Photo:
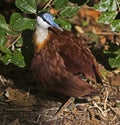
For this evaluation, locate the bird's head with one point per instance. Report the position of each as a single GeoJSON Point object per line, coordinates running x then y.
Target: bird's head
{"type": "Point", "coordinates": [46, 20]}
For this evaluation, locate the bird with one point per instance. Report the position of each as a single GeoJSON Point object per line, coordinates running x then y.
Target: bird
{"type": "Point", "coordinates": [60, 58]}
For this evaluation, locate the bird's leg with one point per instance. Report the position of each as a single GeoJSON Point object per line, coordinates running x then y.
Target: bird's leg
{"type": "Point", "coordinates": [64, 106]}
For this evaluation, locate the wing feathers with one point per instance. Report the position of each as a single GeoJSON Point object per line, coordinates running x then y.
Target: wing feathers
{"type": "Point", "coordinates": [57, 65]}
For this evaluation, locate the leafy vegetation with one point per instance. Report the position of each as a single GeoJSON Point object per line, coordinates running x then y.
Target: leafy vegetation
{"type": "Point", "coordinates": [114, 55]}
{"type": "Point", "coordinates": [12, 33]}
{"type": "Point", "coordinates": [109, 11]}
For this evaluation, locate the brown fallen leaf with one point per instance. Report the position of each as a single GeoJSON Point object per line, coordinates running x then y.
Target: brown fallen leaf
{"type": "Point", "coordinates": [87, 11]}
{"type": "Point", "coordinates": [115, 81]}
{"type": "Point", "coordinates": [19, 97]}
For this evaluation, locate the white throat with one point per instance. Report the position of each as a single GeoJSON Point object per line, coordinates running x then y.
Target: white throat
{"type": "Point", "coordinates": [41, 34]}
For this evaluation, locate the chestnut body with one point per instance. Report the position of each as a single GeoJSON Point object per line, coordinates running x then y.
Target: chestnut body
{"type": "Point", "coordinates": [59, 61]}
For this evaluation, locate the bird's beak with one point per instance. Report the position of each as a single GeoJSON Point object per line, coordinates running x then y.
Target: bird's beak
{"type": "Point", "coordinates": [56, 26]}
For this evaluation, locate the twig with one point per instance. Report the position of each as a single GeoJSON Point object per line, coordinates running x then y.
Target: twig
{"type": "Point", "coordinates": [105, 103]}
{"type": "Point", "coordinates": [51, 118]}
{"type": "Point", "coordinates": [2, 80]}
{"type": "Point", "coordinates": [117, 113]}
{"type": "Point", "coordinates": [48, 4]}
{"type": "Point", "coordinates": [71, 99]}
{"type": "Point", "coordinates": [15, 40]}
{"type": "Point", "coordinates": [102, 112]}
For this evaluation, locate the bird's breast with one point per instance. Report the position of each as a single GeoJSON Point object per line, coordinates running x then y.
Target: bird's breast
{"type": "Point", "coordinates": [59, 58]}
{"type": "Point", "coordinates": [38, 44]}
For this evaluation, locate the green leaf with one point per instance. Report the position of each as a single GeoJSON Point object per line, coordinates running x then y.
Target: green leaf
{"type": "Point", "coordinates": [65, 24]}
{"type": "Point", "coordinates": [19, 42]}
{"type": "Point", "coordinates": [115, 25]}
{"type": "Point", "coordinates": [69, 11]}
{"type": "Point", "coordinates": [5, 50]}
{"type": "Point", "coordinates": [2, 37]}
{"type": "Point", "coordinates": [18, 59]}
{"type": "Point", "coordinates": [60, 3]}
{"type": "Point", "coordinates": [3, 23]}
{"type": "Point", "coordinates": [115, 62]}
{"type": "Point", "coordinates": [107, 17]}
{"type": "Point", "coordinates": [4, 26]}
{"type": "Point", "coordinates": [6, 59]}
{"type": "Point", "coordinates": [113, 5]}
{"type": "Point", "coordinates": [103, 5]}
{"type": "Point", "coordinates": [118, 1]}
{"type": "Point", "coordinates": [113, 47]}
{"type": "Point", "coordinates": [23, 24]}
{"type": "Point", "coordinates": [14, 17]}
{"type": "Point", "coordinates": [28, 6]}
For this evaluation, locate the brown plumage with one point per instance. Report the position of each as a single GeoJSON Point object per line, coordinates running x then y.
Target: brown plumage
{"type": "Point", "coordinates": [60, 58]}
{"type": "Point", "coordinates": [57, 65]}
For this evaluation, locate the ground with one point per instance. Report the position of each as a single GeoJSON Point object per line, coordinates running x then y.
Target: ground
{"type": "Point", "coordinates": [23, 102]}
